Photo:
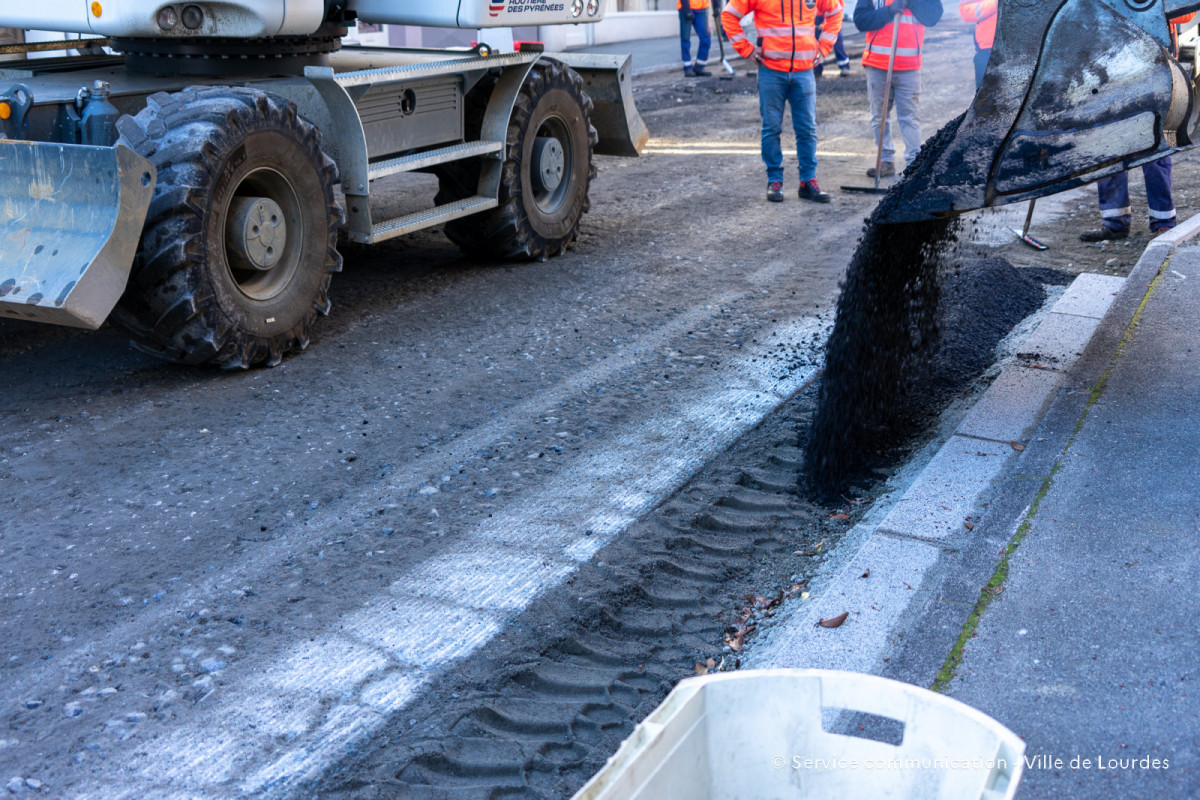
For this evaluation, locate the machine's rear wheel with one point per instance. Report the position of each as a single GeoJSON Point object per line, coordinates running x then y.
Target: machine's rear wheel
{"type": "Point", "coordinates": [546, 174]}
{"type": "Point", "coordinates": [241, 237]}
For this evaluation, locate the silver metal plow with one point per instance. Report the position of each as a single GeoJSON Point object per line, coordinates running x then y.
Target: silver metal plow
{"type": "Point", "coordinates": [1075, 90]}
{"type": "Point", "coordinates": [70, 220]}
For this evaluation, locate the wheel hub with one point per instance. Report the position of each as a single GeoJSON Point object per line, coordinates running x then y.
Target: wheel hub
{"type": "Point", "coordinates": [549, 162]}
{"type": "Point", "coordinates": [255, 233]}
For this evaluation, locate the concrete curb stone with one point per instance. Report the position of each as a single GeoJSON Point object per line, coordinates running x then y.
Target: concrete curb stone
{"type": "Point", "coordinates": [907, 634]}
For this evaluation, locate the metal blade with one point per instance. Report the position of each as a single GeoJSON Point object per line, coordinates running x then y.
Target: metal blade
{"type": "Point", "coordinates": [71, 217]}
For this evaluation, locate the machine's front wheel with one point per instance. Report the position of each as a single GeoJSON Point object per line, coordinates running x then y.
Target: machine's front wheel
{"type": "Point", "coordinates": [241, 238]}
{"type": "Point", "coordinates": [546, 175]}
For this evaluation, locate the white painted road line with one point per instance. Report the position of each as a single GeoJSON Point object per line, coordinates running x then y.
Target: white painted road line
{"type": "Point", "coordinates": [303, 713]}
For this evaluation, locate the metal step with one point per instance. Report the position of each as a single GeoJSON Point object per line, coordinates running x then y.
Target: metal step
{"type": "Point", "coordinates": [424, 219]}
{"type": "Point", "coordinates": [428, 158]}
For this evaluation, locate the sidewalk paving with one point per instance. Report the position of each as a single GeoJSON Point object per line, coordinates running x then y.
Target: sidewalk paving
{"type": "Point", "coordinates": [1091, 650]}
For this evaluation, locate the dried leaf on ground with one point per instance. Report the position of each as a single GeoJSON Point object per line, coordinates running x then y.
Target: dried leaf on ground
{"type": "Point", "coordinates": [735, 635]}
{"type": "Point", "coordinates": [866, 574]}
{"type": "Point", "coordinates": [969, 526]}
{"type": "Point", "coordinates": [1016, 446]}
{"type": "Point", "coordinates": [711, 663]}
{"type": "Point", "coordinates": [701, 669]}
{"type": "Point", "coordinates": [834, 622]}
{"type": "Point", "coordinates": [839, 516]}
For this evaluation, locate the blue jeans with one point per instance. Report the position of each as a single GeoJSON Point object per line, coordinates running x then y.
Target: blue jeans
{"type": "Point", "coordinates": [699, 21]}
{"type": "Point", "coordinates": [1115, 210]}
{"type": "Point", "coordinates": [799, 89]}
{"type": "Point", "coordinates": [981, 62]}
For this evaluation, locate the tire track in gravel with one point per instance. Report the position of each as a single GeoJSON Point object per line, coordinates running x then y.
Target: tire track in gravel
{"type": "Point", "coordinates": [536, 717]}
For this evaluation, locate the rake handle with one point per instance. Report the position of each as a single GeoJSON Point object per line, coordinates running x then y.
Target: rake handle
{"type": "Point", "coordinates": [887, 98]}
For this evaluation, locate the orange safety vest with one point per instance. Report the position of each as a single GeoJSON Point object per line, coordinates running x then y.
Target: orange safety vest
{"type": "Point", "coordinates": [695, 5]}
{"type": "Point", "coordinates": [983, 14]}
{"type": "Point", "coordinates": [787, 30]}
{"type": "Point", "coordinates": [908, 49]}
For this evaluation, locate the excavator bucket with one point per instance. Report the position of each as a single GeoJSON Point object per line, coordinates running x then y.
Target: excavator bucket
{"type": "Point", "coordinates": [70, 220]}
{"type": "Point", "coordinates": [1075, 90]}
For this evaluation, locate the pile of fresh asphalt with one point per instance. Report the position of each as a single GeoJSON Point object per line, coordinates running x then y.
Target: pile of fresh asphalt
{"type": "Point", "coordinates": [899, 350]}
{"type": "Point", "coordinates": [550, 700]}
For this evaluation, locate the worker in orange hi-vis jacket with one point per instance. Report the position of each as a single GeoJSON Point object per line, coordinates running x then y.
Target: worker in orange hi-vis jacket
{"type": "Point", "coordinates": [694, 14]}
{"type": "Point", "coordinates": [786, 50]}
{"type": "Point", "coordinates": [983, 14]}
{"type": "Point", "coordinates": [902, 23]}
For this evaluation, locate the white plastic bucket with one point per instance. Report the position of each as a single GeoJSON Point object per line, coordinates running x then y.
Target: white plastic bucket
{"type": "Point", "coordinates": [757, 735]}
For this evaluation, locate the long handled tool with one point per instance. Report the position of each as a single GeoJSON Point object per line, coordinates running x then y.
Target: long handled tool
{"type": "Point", "coordinates": [720, 34]}
{"type": "Point", "coordinates": [1023, 233]}
{"type": "Point", "coordinates": [887, 102]}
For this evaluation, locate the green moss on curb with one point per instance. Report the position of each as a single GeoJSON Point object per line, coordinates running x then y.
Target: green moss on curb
{"type": "Point", "coordinates": [988, 594]}
{"type": "Point", "coordinates": [995, 584]}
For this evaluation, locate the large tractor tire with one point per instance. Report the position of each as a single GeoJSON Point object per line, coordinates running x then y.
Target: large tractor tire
{"type": "Point", "coordinates": [546, 175]}
{"type": "Point", "coordinates": [241, 236]}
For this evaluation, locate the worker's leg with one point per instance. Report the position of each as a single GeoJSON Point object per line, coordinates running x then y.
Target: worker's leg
{"type": "Point", "coordinates": [700, 21]}
{"type": "Point", "coordinates": [772, 94]}
{"type": "Point", "coordinates": [1115, 211]}
{"type": "Point", "coordinates": [802, 97]}
{"type": "Point", "coordinates": [839, 52]}
{"type": "Point", "coordinates": [1158, 194]}
{"type": "Point", "coordinates": [981, 60]}
{"type": "Point", "coordinates": [875, 80]}
{"type": "Point", "coordinates": [906, 88]}
{"type": "Point", "coordinates": [685, 38]}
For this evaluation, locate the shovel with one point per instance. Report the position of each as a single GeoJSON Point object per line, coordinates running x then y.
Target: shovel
{"type": "Point", "coordinates": [1023, 233]}
{"type": "Point", "coordinates": [887, 103]}
{"type": "Point", "coordinates": [720, 33]}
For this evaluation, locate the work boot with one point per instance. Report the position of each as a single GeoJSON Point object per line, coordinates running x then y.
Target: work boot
{"type": "Point", "coordinates": [687, 71]}
{"type": "Point", "coordinates": [1162, 227]}
{"type": "Point", "coordinates": [699, 71]}
{"type": "Point", "coordinates": [886, 170]}
{"type": "Point", "coordinates": [843, 70]}
{"type": "Point", "coordinates": [775, 192]}
{"type": "Point", "coordinates": [809, 190]}
{"type": "Point", "coordinates": [1103, 234]}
